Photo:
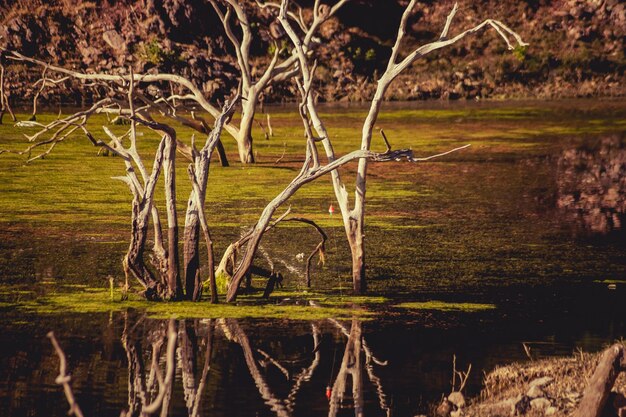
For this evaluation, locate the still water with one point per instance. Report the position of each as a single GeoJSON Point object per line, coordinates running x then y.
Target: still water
{"type": "Point", "coordinates": [535, 228]}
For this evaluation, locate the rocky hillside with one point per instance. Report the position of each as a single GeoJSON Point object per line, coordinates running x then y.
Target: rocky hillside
{"type": "Point", "coordinates": [577, 47]}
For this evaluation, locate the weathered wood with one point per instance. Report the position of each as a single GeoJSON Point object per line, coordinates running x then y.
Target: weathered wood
{"type": "Point", "coordinates": [601, 383]}
{"type": "Point", "coordinates": [169, 168]}
{"type": "Point", "coordinates": [198, 172]}
{"type": "Point", "coordinates": [142, 208]}
{"type": "Point", "coordinates": [64, 378]}
{"type": "Point", "coordinates": [4, 99]}
{"type": "Point", "coordinates": [354, 218]}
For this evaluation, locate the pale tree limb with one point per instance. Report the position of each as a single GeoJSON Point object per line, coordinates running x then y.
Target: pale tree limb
{"type": "Point", "coordinates": [319, 249]}
{"type": "Point", "coordinates": [195, 93]}
{"type": "Point", "coordinates": [353, 218]}
{"type": "Point", "coordinates": [43, 82]}
{"type": "Point", "coordinates": [198, 172]}
{"type": "Point", "coordinates": [275, 71]}
{"type": "Point", "coordinates": [612, 362]}
{"type": "Point", "coordinates": [306, 374]}
{"type": "Point", "coordinates": [64, 379]}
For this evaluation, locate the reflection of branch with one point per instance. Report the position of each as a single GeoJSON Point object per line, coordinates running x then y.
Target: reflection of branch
{"type": "Point", "coordinates": [233, 331]}
{"type": "Point", "coordinates": [165, 387]}
{"type": "Point", "coordinates": [64, 379]}
{"type": "Point", "coordinates": [319, 249]}
{"type": "Point", "coordinates": [275, 363]}
{"type": "Point", "coordinates": [351, 365]}
{"type": "Point", "coordinates": [307, 373]}
{"type": "Point", "coordinates": [138, 392]}
{"type": "Point", "coordinates": [187, 360]}
{"type": "Point", "coordinates": [205, 370]}
{"type": "Point", "coordinates": [369, 359]}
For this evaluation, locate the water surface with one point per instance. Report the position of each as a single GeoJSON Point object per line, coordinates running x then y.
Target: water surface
{"type": "Point", "coordinates": [529, 220]}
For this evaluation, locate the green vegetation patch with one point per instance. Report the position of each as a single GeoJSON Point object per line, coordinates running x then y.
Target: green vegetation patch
{"type": "Point", "coordinates": [446, 306]}
{"type": "Point", "coordinates": [610, 281]}
{"type": "Point", "coordinates": [96, 300]}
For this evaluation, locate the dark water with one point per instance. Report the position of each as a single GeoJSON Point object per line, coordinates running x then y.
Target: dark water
{"type": "Point", "coordinates": [401, 366]}
{"type": "Point", "coordinates": [538, 231]}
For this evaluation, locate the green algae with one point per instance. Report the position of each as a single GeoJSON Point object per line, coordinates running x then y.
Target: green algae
{"type": "Point", "coordinates": [98, 300]}
{"type": "Point", "coordinates": [445, 306]}
{"type": "Point", "coordinates": [438, 214]}
{"type": "Point", "coordinates": [610, 281]}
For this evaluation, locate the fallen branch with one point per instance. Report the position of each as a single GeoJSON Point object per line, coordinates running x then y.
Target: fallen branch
{"type": "Point", "coordinates": [612, 362]}
{"type": "Point", "coordinates": [64, 379]}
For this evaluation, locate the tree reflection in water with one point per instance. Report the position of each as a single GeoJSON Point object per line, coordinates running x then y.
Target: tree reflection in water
{"type": "Point", "coordinates": [159, 350]}
{"type": "Point", "coordinates": [591, 184]}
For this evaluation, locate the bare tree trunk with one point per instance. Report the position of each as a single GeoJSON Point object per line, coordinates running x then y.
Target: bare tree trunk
{"type": "Point", "coordinates": [221, 153]}
{"type": "Point", "coordinates": [600, 385]}
{"type": "Point", "coordinates": [357, 250]}
{"type": "Point", "coordinates": [244, 138]}
{"type": "Point", "coordinates": [169, 166]}
{"type": "Point", "coordinates": [191, 249]}
{"type": "Point", "coordinates": [4, 99]}
{"type": "Point", "coordinates": [141, 210]}
{"type": "Point", "coordinates": [193, 281]}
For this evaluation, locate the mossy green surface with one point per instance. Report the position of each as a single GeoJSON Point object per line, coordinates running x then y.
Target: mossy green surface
{"type": "Point", "coordinates": [446, 306]}
{"type": "Point", "coordinates": [450, 225]}
{"type": "Point", "coordinates": [285, 305]}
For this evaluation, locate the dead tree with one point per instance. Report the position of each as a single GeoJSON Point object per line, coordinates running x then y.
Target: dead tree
{"type": "Point", "coordinates": [276, 70]}
{"type": "Point", "coordinates": [312, 168]}
{"type": "Point", "coordinates": [354, 217]}
{"type": "Point", "coordinates": [129, 96]}
{"type": "Point", "coordinates": [612, 363]}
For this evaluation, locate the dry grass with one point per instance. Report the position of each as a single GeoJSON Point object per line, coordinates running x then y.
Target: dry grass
{"type": "Point", "coordinates": [570, 376]}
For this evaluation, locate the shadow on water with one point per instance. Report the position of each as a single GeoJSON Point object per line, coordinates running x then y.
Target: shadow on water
{"type": "Point", "coordinates": [398, 364]}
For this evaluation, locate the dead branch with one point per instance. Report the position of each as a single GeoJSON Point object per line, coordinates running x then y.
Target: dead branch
{"type": "Point", "coordinates": [319, 249]}
{"type": "Point", "coordinates": [353, 218]}
{"type": "Point", "coordinates": [195, 93]}
{"type": "Point", "coordinates": [43, 82]}
{"type": "Point", "coordinates": [462, 376]}
{"type": "Point", "coordinates": [64, 379]}
{"type": "Point", "coordinates": [600, 385]}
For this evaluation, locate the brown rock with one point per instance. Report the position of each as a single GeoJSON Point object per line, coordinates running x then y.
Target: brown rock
{"type": "Point", "coordinates": [457, 399]}
{"type": "Point", "coordinates": [444, 409]}
{"type": "Point", "coordinates": [541, 382]}
{"type": "Point", "coordinates": [535, 391]}
{"type": "Point", "coordinates": [114, 40]}
{"type": "Point", "coordinates": [540, 404]}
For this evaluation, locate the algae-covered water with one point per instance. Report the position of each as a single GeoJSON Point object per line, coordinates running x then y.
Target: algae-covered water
{"type": "Point", "coordinates": [516, 241]}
